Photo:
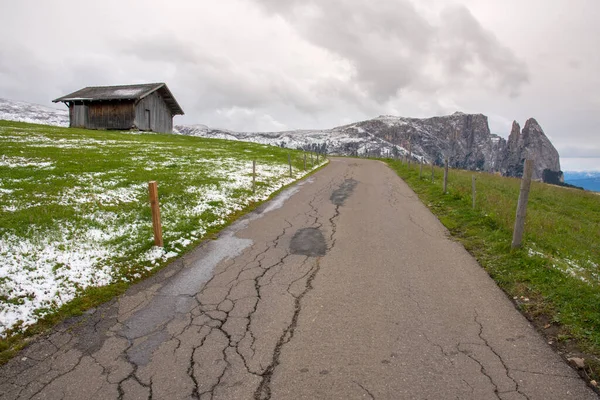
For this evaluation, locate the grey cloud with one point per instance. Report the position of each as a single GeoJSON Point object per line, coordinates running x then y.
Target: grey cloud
{"type": "Point", "coordinates": [391, 43]}
{"type": "Point", "coordinates": [574, 64]}
{"type": "Point", "coordinates": [468, 42]}
{"type": "Point", "coordinates": [592, 151]}
{"type": "Point", "coordinates": [35, 79]}
{"type": "Point", "coordinates": [212, 81]}
{"type": "Point", "coordinates": [163, 47]}
{"type": "Point", "coordinates": [25, 76]}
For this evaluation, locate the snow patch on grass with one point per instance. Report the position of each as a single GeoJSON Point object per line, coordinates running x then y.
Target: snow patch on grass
{"type": "Point", "coordinates": [47, 271]}
{"type": "Point", "coordinates": [589, 273]}
{"type": "Point", "coordinates": [81, 218]}
{"type": "Point", "coordinates": [22, 162]}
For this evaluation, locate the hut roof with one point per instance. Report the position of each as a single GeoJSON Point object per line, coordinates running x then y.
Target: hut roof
{"type": "Point", "coordinates": [124, 92]}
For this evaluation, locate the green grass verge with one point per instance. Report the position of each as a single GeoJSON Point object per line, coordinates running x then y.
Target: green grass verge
{"type": "Point", "coordinates": [554, 277]}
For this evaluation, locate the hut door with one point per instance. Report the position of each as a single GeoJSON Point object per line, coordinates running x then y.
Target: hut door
{"type": "Point", "coordinates": [148, 125]}
{"type": "Point", "coordinates": [79, 116]}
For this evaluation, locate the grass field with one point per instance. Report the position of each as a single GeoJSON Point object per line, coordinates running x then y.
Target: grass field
{"type": "Point", "coordinates": [555, 277]}
{"type": "Point", "coordinates": [74, 210]}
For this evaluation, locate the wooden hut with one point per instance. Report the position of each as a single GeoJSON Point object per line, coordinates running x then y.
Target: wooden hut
{"type": "Point", "coordinates": [147, 107]}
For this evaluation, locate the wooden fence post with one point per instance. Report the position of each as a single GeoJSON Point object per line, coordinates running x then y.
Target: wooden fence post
{"type": "Point", "coordinates": [421, 169]}
{"type": "Point", "coordinates": [432, 171]}
{"type": "Point", "coordinates": [446, 175]}
{"type": "Point", "coordinates": [290, 162]}
{"type": "Point", "coordinates": [312, 160]}
{"type": "Point", "coordinates": [473, 179]}
{"type": "Point", "coordinates": [305, 162]}
{"type": "Point", "coordinates": [522, 205]}
{"type": "Point", "coordinates": [253, 176]}
{"type": "Point", "coordinates": [154, 206]}
{"type": "Point", "coordinates": [409, 154]}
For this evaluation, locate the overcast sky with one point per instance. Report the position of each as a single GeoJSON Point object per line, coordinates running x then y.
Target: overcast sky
{"type": "Point", "coordinates": [296, 64]}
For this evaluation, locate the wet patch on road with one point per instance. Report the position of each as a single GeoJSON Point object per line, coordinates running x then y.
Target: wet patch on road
{"type": "Point", "coordinates": [146, 329]}
{"type": "Point", "coordinates": [339, 196]}
{"type": "Point", "coordinates": [308, 242]}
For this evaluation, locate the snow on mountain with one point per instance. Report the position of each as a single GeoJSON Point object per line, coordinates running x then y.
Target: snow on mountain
{"type": "Point", "coordinates": [346, 140]}
{"type": "Point", "coordinates": [465, 139]}
{"type": "Point", "coordinates": [20, 111]}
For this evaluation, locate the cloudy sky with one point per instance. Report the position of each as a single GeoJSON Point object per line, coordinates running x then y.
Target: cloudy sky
{"type": "Point", "coordinates": [290, 64]}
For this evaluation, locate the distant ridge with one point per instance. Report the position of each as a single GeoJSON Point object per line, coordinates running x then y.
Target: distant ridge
{"type": "Point", "coordinates": [465, 139]}
{"type": "Point", "coordinates": [587, 180]}
{"type": "Point", "coordinates": [21, 111]}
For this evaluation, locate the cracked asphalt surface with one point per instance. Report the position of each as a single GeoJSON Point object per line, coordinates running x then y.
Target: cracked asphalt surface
{"type": "Point", "coordinates": [343, 287]}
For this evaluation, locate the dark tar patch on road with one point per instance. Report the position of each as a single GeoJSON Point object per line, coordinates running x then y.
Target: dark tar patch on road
{"type": "Point", "coordinates": [339, 196]}
{"type": "Point", "coordinates": [308, 242]}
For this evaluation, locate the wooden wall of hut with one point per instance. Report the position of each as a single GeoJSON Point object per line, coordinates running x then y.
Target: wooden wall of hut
{"type": "Point", "coordinates": [78, 115]}
{"type": "Point", "coordinates": [152, 114]}
{"type": "Point", "coordinates": [111, 115]}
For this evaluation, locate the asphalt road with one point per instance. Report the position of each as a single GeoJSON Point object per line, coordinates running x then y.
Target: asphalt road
{"type": "Point", "coordinates": [343, 287]}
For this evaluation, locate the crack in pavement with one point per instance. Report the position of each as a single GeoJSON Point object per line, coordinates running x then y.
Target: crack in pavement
{"type": "Point", "coordinates": [263, 392]}
{"type": "Point", "coordinates": [506, 369]}
{"type": "Point", "coordinates": [483, 372]}
{"type": "Point", "coordinates": [365, 389]}
{"type": "Point", "coordinates": [260, 281]}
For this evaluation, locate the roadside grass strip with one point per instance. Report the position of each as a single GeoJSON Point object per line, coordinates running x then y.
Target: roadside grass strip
{"type": "Point", "coordinates": [74, 208]}
{"type": "Point", "coordinates": [555, 277]}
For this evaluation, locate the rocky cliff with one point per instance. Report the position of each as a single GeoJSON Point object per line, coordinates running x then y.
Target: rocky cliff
{"type": "Point", "coordinates": [465, 139]}
{"type": "Point", "coordinates": [532, 143]}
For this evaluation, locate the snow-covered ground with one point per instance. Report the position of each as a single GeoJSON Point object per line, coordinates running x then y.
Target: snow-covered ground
{"type": "Point", "coordinates": [20, 111]}
{"type": "Point", "coordinates": [99, 231]}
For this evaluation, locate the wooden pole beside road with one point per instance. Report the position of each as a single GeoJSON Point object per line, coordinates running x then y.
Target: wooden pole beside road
{"type": "Point", "coordinates": [522, 205]}
{"type": "Point", "coordinates": [253, 176]}
{"type": "Point", "coordinates": [421, 169]}
{"type": "Point", "coordinates": [156, 226]}
{"type": "Point", "coordinates": [432, 171]}
{"type": "Point", "coordinates": [290, 162]}
{"type": "Point", "coordinates": [304, 161]}
{"type": "Point", "coordinates": [474, 190]}
{"type": "Point", "coordinates": [446, 176]}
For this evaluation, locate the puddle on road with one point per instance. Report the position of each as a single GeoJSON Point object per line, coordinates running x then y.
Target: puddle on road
{"type": "Point", "coordinates": [339, 196]}
{"type": "Point", "coordinates": [308, 242]}
{"type": "Point", "coordinates": [176, 296]}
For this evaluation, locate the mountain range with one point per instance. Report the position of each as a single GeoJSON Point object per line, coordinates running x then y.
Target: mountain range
{"type": "Point", "coordinates": [464, 139]}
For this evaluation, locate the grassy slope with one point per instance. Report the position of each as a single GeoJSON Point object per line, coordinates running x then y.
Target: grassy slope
{"type": "Point", "coordinates": [92, 190]}
{"type": "Point", "coordinates": [555, 277]}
